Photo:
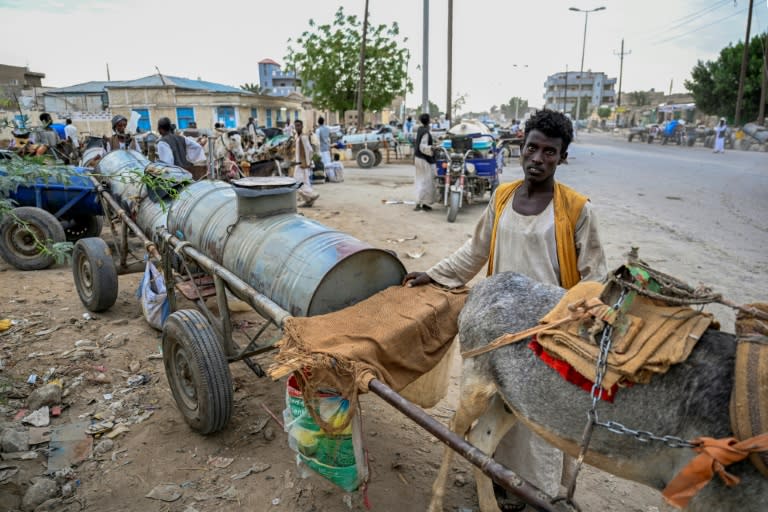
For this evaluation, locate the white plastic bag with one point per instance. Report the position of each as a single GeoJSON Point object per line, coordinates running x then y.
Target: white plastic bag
{"type": "Point", "coordinates": [154, 297]}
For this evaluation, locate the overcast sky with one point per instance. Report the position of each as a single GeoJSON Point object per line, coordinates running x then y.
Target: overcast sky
{"type": "Point", "coordinates": [71, 41]}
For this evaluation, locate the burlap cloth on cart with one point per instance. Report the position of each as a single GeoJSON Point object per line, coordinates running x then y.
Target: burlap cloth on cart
{"type": "Point", "coordinates": [394, 336]}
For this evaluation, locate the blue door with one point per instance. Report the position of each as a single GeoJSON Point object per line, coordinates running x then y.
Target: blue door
{"type": "Point", "coordinates": [269, 118]}
{"type": "Point", "coordinates": [184, 116]}
{"type": "Point", "coordinates": [226, 115]}
{"type": "Point", "coordinates": [145, 124]}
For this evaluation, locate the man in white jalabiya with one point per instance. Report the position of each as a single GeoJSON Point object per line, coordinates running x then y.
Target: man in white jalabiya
{"type": "Point", "coordinates": [720, 131]}
{"type": "Point", "coordinates": [303, 161]}
{"type": "Point", "coordinates": [324, 140]}
{"type": "Point", "coordinates": [176, 149]}
{"type": "Point", "coordinates": [424, 162]}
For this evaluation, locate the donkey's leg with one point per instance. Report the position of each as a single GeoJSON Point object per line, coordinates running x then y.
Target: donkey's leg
{"type": "Point", "coordinates": [474, 395]}
{"type": "Point", "coordinates": [490, 428]}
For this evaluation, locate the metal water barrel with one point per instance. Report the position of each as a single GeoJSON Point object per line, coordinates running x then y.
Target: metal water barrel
{"type": "Point", "coordinates": [302, 265]}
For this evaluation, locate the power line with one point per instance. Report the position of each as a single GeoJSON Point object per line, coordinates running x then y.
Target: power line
{"type": "Point", "coordinates": [674, 24]}
{"type": "Point", "coordinates": [678, 36]}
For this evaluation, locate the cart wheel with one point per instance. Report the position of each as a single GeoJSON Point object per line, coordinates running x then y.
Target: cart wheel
{"type": "Point", "coordinates": [377, 158]}
{"type": "Point", "coordinates": [365, 158]}
{"type": "Point", "coordinates": [84, 226]}
{"type": "Point", "coordinates": [95, 274]}
{"type": "Point", "coordinates": [453, 205]}
{"type": "Point", "coordinates": [197, 371]}
{"type": "Point", "coordinates": [18, 242]}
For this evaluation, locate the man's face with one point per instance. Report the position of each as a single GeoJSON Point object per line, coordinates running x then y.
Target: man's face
{"type": "Point", "coordinates": [298, 125]}
{"type": "Point", "coordinates": [540, 156]}
{"type": "Point", "coordinates": [120, 126]}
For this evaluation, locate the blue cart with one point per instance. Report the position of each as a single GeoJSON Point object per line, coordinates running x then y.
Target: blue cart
{"type": "Point", "coordinates": [50, 211]}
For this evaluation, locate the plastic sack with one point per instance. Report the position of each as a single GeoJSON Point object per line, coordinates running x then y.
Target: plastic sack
{"type": "Point", "coordinates": [154, 297]}
{"type": "Point", "coordinates": [339, 457]}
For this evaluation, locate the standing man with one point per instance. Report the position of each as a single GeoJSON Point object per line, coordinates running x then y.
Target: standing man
{"type": "Point", "coordinates": [543, 229]}
{"type": "Point", "coordinates": [71, 131]}
{"type": "Point", "coordinates": [251, 127]}
{"type": "Point", "coordinates": [120, 139]}
{"type": "Point", "coordinates": [720, 131]}
{"type": "Point", "coordinates": [176, 149]}
{"type": "Point", "coordinates": [424, 163]}
{"type": "Point", "coordinates": [408, 128]}
{"type": "Point", "coordinates": [47, 135]}
{"type": "Point", "coordinates": [303, 162]}
{"type": "Point", "coordinates": [324, 141]}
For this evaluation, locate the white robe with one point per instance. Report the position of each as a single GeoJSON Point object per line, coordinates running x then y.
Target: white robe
{"type": "Point", "coordinates": [424, 175]}
{"type": "Point", "coordinates": [525, 244]}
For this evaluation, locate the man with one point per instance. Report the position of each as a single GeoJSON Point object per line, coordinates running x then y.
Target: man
{"type": "Point", "coordinates": [408, 128]}
{"type": "Point", "coordinates": [71, 131]}
{"type": "Point", "coordinates": [303, 162]}
{"type": "Point", "coordinates": [176, 149]}
{"type": "Point", "coordinates": [324, 141]}
{"type": "Point", "coordinates": [47, 135]}
{"type": "Point", "coordinates": [540, 228]}
{"type": "Point", "coordinates": [120, 139]}
{"type": "Point", "coordinates": [424, 163]}
{"type": "Point", "coordinates": [720, 131]}
{"type": "Point", "coordinates": [191, 130]}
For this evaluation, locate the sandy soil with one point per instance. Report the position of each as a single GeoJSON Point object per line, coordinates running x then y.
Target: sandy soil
{"type": "Point", "coordinates": [162, 449]}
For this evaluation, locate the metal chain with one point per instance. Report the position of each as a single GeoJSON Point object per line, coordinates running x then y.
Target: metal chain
{"type": "Point", "coordinates": [644, 436]}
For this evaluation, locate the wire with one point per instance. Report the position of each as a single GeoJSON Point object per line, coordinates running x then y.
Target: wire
{"type": "Point", "coordinates": [684, 20]}
{"type": "Point", "coordinates": [678, 36]}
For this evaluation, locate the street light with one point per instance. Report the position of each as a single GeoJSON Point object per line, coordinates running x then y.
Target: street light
{"type": "Point", "coordinates": [583, 48]}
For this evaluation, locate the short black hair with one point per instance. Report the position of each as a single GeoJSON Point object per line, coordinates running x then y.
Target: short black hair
{"type": "Point", "coordinates": [552, 124]}
{"type": "Point", "coordinates": [424, 119]}
{"type": "Point", "coordinates": [321, 120]}
{"type": "Point", "coordinates": [164, 124]}
{"type": "Point", "coordinates": [45, 116]}
{"type": "Point", "coordinates": [68, 121]}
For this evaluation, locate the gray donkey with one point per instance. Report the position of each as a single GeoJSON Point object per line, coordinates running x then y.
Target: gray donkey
{"type": "Point", "coordinates": [690, 400]}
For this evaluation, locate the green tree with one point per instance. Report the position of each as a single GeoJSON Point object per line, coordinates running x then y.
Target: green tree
{"type": "Point", "coordinates": [584, 110]}
{"type": "Point", "coordinates": [515, 106]}
{"type": "Point", "coordinates": [326, 59]}
{"type": "Point", "coordinates": [604, 112]}
{"type": "Point", "coordinates": [639, 98]}
{"type": "Point", "coordinates": [252, 87]}
{"type": "Point", "coordinates": [434, 110]}
{"type": "Point", "coordinates": [714, 84]}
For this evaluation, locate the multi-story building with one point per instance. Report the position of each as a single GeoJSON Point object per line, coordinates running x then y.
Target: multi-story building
{"type": "Point", "coordinates": [274, 81]}
{"type": "Point", "coordinates": [563, 90]}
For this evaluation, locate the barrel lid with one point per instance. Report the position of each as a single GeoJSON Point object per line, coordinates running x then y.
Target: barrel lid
{"type": "Point", "coordinates": [264, 182]}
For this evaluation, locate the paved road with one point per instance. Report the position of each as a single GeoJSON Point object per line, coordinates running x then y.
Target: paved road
{"type": "Point", "coordinates": [696, 215]}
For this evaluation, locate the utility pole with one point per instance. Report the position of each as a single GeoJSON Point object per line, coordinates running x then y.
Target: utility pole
{"type": "Point", "coordinates": [565, 91]}
{"type": "Point", "coordinates": [361, 82]}
{"type": "Point", "coordinates": [108, 79]}
{"type": "Point", "coordinates": [449, 106]}
{"type": "Point", "coordinates": [743, 73]}
{"type": "Point", "coordinates": [425, 60]}
{"type": "Point", "coordinates": [621, 73]}
{"type": "Point", "coordinates": [764, 84]}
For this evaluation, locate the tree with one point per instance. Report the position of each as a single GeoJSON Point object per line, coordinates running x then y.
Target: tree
{"type": "Point", "coordinates": [326, 58]}
{"type": "Point", "coordinates": [604, 112]}
{"type": "Point", "coordinates": [458, 104]}
{"type": "Point", "coordinates": [516, 107]}
{"type": "Point", "coordinates": [252, 87]}
{"type": "Point", "coordinates": [434, 110]}
{"type": "Point", "coordinates": [639, 98]}
{"type": "Point", "coordinates": [714, 84]}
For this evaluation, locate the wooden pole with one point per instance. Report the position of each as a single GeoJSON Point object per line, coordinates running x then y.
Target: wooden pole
{"type": "Point", "coordinates": [743, 73]}
{"type": "Point", "coordinates": [764, 84]}
{"type": "Point", "coordinates": [361, 82]}
{"type": "Point", "coordinates": [448, 104]}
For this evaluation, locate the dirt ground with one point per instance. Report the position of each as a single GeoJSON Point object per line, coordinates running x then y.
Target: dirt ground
{"type": "Point", "coordinates": [159, 448]}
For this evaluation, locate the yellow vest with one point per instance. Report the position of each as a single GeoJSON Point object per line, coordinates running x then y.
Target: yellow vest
{"type": "Point", "coordinates": [568, 205]}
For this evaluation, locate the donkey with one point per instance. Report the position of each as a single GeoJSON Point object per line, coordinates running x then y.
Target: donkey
{"type": "Point", "coordinates": [510, 384]}
{"type": "Point", "coordinates": [227, 152]}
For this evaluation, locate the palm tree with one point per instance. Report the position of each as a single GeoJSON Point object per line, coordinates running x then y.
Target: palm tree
{"type": "Point", "coordinates": [251, 87]}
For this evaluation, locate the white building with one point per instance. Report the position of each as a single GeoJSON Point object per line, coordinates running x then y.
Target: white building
{"type": "Point", "coordinates": [563, 89]}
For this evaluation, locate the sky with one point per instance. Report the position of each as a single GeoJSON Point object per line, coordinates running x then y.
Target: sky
{"type": "Point", "coordinates": [501, 48]}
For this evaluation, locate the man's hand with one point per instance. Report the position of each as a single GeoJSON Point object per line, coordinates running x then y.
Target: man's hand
{"type": "Point", "coordinates": [417, 279]}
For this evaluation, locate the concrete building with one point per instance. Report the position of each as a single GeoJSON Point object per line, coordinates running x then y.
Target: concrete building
{"type": "Point", "coordinates": [276, 82]}
{"type": "Point", "coordinates": [563, 89]}
{"type": "Point", "coordinates": [91, 105]}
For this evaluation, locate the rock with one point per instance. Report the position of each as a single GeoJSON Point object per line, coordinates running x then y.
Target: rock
{"type": "Point", "coordinates": [459, 481]}
{"type": "Point", "coordinates": [39, 418]}
{"type": "Point", "coordinates": [50, 505]}
{"type": "Point", "coordinates": [165, 492]}
{"type": "Point", "coordinates": [269, 434]}
{"type": "Point", "coordinates": [42, 490]}
{"type": "Point", "coordinates": [14, 440]}
{"type": "Point", "coordinates": [67, 490]}
{"type": "Point", "coordinates": [103, 447]}
{"type": "Point", "coordinates": [49, 395]}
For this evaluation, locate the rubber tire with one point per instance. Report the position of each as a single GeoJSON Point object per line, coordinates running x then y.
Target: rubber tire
{"type": "Point", "coordinates": [95, 274]}
{"type": "Point", "coordinates": [377, 158]}
{"type": "Point", "coordinates": [197, 371]}
{"type": "Point", "coordinates": [84, 226]}
{"type": "Point", "coordinates": [454, 198]}
{"type": "Point", "coordinates": [365, 158]}
{"type": "Point", "coordinates": [17, 245]}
